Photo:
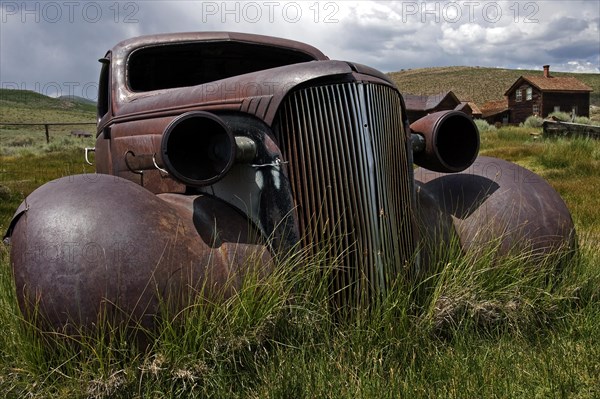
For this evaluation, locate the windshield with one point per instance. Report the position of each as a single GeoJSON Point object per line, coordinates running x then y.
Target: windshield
{"type": "Point", "coordinates": [190, 64]}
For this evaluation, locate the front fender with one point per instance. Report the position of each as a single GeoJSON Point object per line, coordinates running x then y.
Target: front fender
{"type": "Point", "coordinates": [495, 202]}
{"type": "Point", "coordinates": [88, 246]}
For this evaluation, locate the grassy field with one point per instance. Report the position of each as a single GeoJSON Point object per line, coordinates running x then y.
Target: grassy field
{"type": "Point", "coordinates": [472, 329]}
{"type": "Point", "coordinates": [476, 84]}
{"type": "Point", "coordinates": [21, 106]}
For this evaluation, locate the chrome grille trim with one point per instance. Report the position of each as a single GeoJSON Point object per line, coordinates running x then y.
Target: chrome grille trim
{"type": "Point", "coordinates": [351, 177]}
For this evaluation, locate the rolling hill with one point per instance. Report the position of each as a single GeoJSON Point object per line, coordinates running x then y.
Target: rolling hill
{"type": "Point", "coordinates": [21, 106]}
{"type": "Point", "coordinates": [477, 84]}
{"type": "Point", "coordinates": [78, 100]}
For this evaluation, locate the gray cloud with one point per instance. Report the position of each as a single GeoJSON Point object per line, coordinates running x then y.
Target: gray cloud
{"type": "Point", "coordinates": [39, 47]}
{"type": "Point", "coordinates": [564, 25]}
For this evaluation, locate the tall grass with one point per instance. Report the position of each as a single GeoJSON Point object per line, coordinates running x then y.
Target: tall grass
{"type": "Point", "coordinates": [472, 327]}
{"type": "Point", "coordinates": [209, 347]}
{"type": "Point", "coordinates": [467, 326]}
{"type": "Point", "coordinates": [27, 143]}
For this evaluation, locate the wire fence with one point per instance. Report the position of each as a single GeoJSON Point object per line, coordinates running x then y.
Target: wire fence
{"type": "Point", "coordinates": [47, 125]}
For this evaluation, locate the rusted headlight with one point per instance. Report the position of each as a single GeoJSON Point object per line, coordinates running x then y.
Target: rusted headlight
{"type": "Point", "coordinates": [198, 148]}
{"type": "Point", "coordinates": [447, 141]}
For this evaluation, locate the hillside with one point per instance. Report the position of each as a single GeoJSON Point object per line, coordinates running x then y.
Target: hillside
{"type": "Point", "coordinates": [78, 100]}
{"type": "Point", "coordinates": [476, 84]}
{"type": "Point", "coordinates": [29, 106]}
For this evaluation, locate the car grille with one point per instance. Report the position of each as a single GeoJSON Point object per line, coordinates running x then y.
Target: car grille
{"type": "Point", "coordinates": [351, 177]}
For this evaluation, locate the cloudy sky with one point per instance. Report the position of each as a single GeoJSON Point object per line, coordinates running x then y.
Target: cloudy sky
{"type": "Point", "coordinates": [53, 46]}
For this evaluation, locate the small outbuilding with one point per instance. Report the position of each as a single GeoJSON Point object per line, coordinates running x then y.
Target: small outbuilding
{"type": "Point", "coordinates": [469, 108]}
{"type": "Point", "coordinates": [417, 106]}
{"type": "Point", "coordinates": [496, 112]}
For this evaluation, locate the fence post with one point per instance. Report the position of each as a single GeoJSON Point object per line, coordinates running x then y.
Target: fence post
{"type": "Point", "coordinates": [47, 134]}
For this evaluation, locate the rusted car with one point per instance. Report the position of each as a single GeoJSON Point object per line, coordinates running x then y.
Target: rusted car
{"type": "Point", "coordinates": [221, 152]}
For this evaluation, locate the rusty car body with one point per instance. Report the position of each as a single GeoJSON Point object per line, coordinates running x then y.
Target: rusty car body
{"type": "Point", "coordinates": [216, 151]}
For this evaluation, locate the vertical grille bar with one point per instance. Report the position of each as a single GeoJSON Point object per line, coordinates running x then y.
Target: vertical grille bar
{"type": "Point", "coordinates": [351, 180]}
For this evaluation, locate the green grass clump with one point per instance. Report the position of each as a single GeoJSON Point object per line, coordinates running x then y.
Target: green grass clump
{"type": "Point", "coordinates": [586, 121]}
{"type": "Point", "coordinates": [483, 126]}
{"type": "Point", "coordinates": [533, 122]}
{"type": "Point", "coordinates": [595, 114]}
{"type": "Point", "coordinates": [561, 116]}
{"type": "Point", "coordinates": [571, 157]}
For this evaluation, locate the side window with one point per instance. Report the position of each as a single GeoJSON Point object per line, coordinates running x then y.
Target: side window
{"type": "Point", "coordinates": [529, 94]}
{"type": "Point", "coordinates": [519, 95]}
{"type": "Point", "coordinates": [104, 87]}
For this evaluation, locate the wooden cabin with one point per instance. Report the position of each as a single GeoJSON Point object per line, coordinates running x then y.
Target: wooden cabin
{"type": "Point", "coordinates": [544, 94]}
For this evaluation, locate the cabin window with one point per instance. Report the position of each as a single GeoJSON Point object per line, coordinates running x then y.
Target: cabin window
{"type": "Point", "coordinates": [536, 109]}
{"type": "Point", "coordinates": [519, 95]}
{"type": "Point", "coordinates": [529, 94]}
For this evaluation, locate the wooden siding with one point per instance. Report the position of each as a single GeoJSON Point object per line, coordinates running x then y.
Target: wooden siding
{"type": "Point", "coordinates": [521, 110]}
{"type": "Point", "coordinates": [566, 102]}
{"type": "Point", "coordinates": [546, 102]}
